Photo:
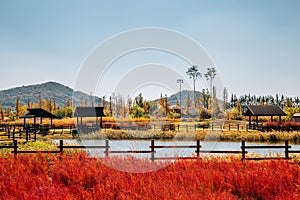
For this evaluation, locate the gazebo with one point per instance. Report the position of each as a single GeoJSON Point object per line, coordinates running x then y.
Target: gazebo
{"type": "Point", "coordinates": [38, 113]}
{"type": "Point", "coordinates": [96, 112]}
{"type": "Point", "coordinates": [264, 110]}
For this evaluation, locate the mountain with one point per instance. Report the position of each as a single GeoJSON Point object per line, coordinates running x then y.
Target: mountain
{"type": "Point", "coordinates": [62, 93]}
{"type": "Point", "coordinates": [47, 91]}
{"type": "Point", "coordinates": [184, 94]}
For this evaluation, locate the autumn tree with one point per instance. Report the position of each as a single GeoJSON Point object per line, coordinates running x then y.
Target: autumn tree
{"type": "Point", "coordinates": [205, 98]}
{"type": "Point", "coordinates": [8, 112]}
{"type": "Point", "coordinates": [17, 107]}
{"type": "Point", "coordinates": [225, 99]}
{"type": "Point", "coordinates": [188, 104]}
{"type": "Point", "coordinates": [2, 115]}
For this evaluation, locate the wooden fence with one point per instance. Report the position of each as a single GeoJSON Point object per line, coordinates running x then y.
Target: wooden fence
{"type": "Point", "coordinates": [198, 150]}
{"type": "Point", "coordinates": [12, 132]}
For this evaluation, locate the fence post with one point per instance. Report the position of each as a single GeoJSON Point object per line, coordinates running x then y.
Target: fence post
{"type": "Point", "coordinates": [238, 127]}
{"type": "Point", "coordinates": [229, 127]}
{"type": "Point", "coordinates": [12, 133]}
{"type": "Point", "coordinates": [20, 132]}
{"type": "Point", "coordinates": [26, 135]}
{"type": "Point", "coordinates": [35, 135]}
{"type": "Point", "coordinates": [286, 149]}
{"type": "Point", "coordinates": [8, 134]}
{"type": "Point", "coordinates": [198, 148]}
{"type": "Point", "coordinates": [15, 147]}
{"type": "Point", "coordinates": [243, 150]}
{"type": "Point", "coordinates": [106, 147]}
{"type": "Point", "coordinates": [152, 150]}
{"type": "Point", "coordinates": [61, 146]}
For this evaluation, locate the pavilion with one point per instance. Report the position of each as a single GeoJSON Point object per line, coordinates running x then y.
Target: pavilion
{"type": "Point", "coordinates": [264, 110]}
{"type": "Point", "coordinates": [38, 113]}
{"type": "Point", "coordinates": [96, 112]}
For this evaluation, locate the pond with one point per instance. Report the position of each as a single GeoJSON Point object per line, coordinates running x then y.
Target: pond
{"type": "Point", "coordinates": [125, 145]}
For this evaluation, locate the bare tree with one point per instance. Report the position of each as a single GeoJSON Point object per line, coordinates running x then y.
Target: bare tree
{"type": "Point", "coordinates": [193, 74]}
{"type": "Point", "coordinates": [210, 75]}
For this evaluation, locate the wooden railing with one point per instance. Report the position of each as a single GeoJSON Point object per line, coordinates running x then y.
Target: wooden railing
{"type": "Point", "coordinates": [152, 151]}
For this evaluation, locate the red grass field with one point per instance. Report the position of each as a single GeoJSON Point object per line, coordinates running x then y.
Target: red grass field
{"type": "Point", "coordinates": [77, 176]}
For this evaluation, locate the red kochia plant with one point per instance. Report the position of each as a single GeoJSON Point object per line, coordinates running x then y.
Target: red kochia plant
{"type": "Point", "coordinates": [77, 176]}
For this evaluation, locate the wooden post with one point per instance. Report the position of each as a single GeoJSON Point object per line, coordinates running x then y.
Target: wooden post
{"type": "Point", "coordinates": [20, 133]}
{"type": "Point", "coordinates": [15, 147]}
{"type": "Point", "coordinates": [198, 148]}
{"type": "Point", "coordinates": [286, 149]}
{"type": "Point", "coordinates": [238, 127]}
{"type": "Point", "coordinates": [35, 135]}
{"type": "Point", "coordinates": [152, 150]}
{"type": "Point", "coordinates": [256, 123]}
{"type": "Point", "coordinates": [229, 127]}
{"type": "Point", "coordinates": [61, 146]}
{"type": "Point", "coordinates": [13, 133]}
{"type": "Point", "coordinates": [106, 147]}
{"type": "Point", "coordinates": [7, 129]}
{"type": "Point", "coordinates": [26, 135]}
{"type": "Point", "coordinates": [243, 150]}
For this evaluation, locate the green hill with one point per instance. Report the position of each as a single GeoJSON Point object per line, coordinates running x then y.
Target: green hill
{"type": "Point", "coordinates": [47, 91]}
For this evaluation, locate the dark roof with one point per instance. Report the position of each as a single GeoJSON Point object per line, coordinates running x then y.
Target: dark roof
{"type": "Point", "coordinates": [38, 112]}
{"type": "Point", "coordinates": [264, 110]}
{"type": "Point", "coordinates": [89, 112]}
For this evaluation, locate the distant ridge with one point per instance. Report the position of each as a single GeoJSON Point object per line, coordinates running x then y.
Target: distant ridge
{"type": "Point", "coordinates": [61, 93]}
{"type": "Point", "coordinates": [48, 90]}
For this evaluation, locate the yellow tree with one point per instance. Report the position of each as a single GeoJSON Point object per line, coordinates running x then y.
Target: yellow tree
{"type": "Point", "coordinates": [1, 113]}
{"type": "Point", "coordinates": [17, 107]}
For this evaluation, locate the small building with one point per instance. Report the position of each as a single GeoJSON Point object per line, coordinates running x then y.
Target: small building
{"type": "Point", "coordinates": [263, 110]}
{"type": "Point", "coordinates": [93, 112]}
{"type": "Point", "coordinates": [296, 117]}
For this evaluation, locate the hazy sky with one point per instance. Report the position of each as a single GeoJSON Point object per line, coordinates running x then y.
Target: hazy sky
{"type": "Point", "coordinates": [255, 45]}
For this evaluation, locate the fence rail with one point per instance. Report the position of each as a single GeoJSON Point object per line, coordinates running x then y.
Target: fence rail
{"type": "Point", "coordinates": [198, 151]}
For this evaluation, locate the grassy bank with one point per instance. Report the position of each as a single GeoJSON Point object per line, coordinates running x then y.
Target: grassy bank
{"type": "Point", "coordinates": [234, 136]}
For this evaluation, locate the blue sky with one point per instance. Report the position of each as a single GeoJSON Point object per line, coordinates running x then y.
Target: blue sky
{"type": "Point", "coordinates": [254, 44]}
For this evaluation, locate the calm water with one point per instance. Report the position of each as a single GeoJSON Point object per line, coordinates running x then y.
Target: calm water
{"type": "Point", "coordinates": [206, 145]}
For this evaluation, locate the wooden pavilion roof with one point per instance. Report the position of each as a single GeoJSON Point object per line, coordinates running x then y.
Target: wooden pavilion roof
{"type": "Point", "coordinates": [89, 112]}
{"type": "Point", "coordinates": [38, 112]}
{"type": "Point", "coordinates": [264, 110]}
